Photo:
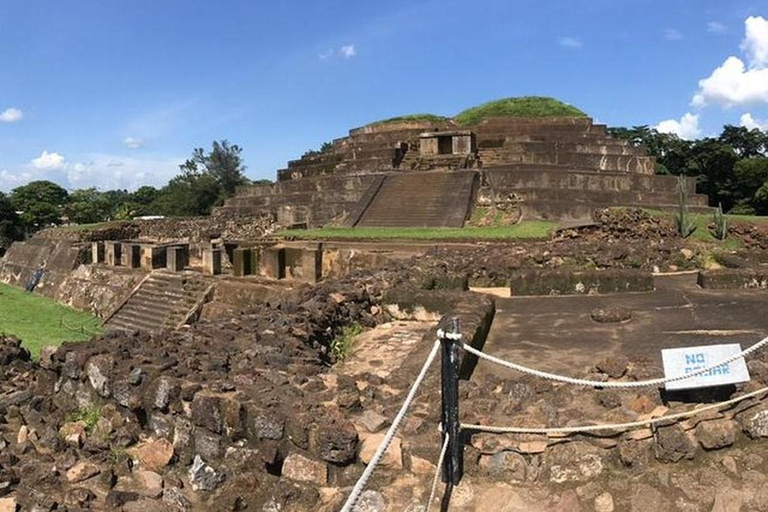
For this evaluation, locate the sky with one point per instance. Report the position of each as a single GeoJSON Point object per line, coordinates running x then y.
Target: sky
{"type": "Point", "coordinates": [115, 94]}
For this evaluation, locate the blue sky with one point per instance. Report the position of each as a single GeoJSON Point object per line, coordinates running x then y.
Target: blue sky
{"type": "Point", "coordinates": [117, 93]}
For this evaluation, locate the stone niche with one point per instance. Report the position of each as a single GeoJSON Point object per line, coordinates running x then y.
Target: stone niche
{"type": "Point", "coordinates": [458, 142]}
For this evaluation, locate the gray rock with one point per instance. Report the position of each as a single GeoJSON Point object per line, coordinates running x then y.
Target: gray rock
{"type": "Point", "coordinates": [175, 497]}
{"type": "Point", "coordinates": [716, 434]}
{"type": "Point", "coordinates": [373, 421]}
{"type": "Point", "coordinates": [507, 464]}
{"type": "Point", "coordinates": [755, 424]}
{"type": "Point", "coordinates": [136, 376]}
{"type": "Point", "coordinates": [166, 391]}
{"type": "Point", "coordinates": [672, 444]}
{"type": "Point", "coordinates": [203, 477]}
{"type": "Point", "coordinates": [207, 444]}
{"type": "Point", "coordinates": [98, 370]}
{"type": "Point", "coordinates": [267, 424]}
{"type": "Point", "coordinates": [370, 501]}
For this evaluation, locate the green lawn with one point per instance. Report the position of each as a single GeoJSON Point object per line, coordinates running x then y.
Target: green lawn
{"type": "Point", "coordinates": [523, 230]}
{"type": "Point", "coordinates": [40, 321]}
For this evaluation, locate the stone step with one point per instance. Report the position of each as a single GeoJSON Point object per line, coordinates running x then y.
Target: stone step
{"type": "Point", "coordinates": [427, 199]}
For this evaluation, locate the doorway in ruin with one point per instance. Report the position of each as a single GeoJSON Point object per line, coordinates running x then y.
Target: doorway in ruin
{"type": "Point", "coordinates": [445, 145]}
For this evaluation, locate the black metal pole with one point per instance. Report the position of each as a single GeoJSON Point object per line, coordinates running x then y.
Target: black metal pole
{"type": "Point", "coordinates": [453, 465]}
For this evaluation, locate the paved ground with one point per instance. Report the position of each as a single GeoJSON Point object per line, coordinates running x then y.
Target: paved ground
{"type": "Point", "coordinates": [558, 334]}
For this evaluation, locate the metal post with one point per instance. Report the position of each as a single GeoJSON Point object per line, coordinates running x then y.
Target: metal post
{"type": "Point", "coordinates": [450, 335]}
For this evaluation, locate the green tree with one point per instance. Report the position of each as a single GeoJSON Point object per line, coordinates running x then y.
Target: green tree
{"type": "Point", "coordinates": [189, 194]}
{"type": "Point", "coordinates": [10, 224]}
{"type": "Point", "coordinates": [749, 175]}
{"type": "Point", "coordinates": [41, 203]}
{"type": "Point", "coordinates": [223, 164]}
{"type": "Point", "coordinates": [745, 142]}
{"type": "Point", "coordinates": [88, 206]}
{"type": "Point", "coordinates": [761, 199]}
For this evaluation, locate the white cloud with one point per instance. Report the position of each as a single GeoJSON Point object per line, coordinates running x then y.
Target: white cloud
{"type": "Point", "coordinates": [326, 55]}
{"type": "Point", "coordinates": [11, 115]}
{"type": "Point", "coordinates": [347, 51]}
{"type": "Point", "coordinates": [570, 42]}
{"type": "Point", "coordinates": [686, 128]}
{"type": "Point", "coordinates": [755, 43]}
{"type": "Point", "coordinates": [749, 122]}
{"type": "Point", "coordinates": [715, 27]}
{"type": "Point", "coordinates": [49, 162]}
{"type": "Point", "coordinates": [734, 82]}
{"type": "Point", "coordinates": [103, 171]}
{"type": "Point", "coordinates": [671, 34]}
{"type": "Point", "coordinates": [133, 142]}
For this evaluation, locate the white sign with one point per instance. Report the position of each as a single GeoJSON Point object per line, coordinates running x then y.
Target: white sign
{"type": "Point", "coordinates": [684, 361]}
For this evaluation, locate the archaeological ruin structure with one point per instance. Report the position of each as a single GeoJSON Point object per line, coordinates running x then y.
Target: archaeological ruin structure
{"type": "Point", "coordinates": [434, 172]}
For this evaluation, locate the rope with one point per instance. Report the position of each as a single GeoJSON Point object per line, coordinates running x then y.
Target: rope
{"type": "Point", "coordinates": [360, 485]}
{"type": "Point", "coordinates": [612, 426]}
{"type": "Point", "coordinates": [438, 472]}
{"type": "Point", "coordinates": [597, 384]}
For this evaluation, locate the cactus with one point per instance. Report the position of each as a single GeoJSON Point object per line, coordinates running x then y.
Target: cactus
{"type": "Point", "coordinates": [721, 223]}
{"type": "Point", "coordinates": [683, 221]}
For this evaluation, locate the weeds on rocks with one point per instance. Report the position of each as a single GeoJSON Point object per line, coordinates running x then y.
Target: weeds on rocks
{"type": "Point", "coordinates": [90, 416]}
{"type": "Point", "coordinates": [341, 346]}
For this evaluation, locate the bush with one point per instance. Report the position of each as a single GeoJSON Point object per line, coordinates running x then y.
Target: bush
{"type": "Point", "coordinates": [341, 346]}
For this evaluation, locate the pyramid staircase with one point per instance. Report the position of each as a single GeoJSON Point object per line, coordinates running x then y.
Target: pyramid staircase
{"type": "Point", "coordinates": [162, 301]}
{"type": "Point", "coordinates": [421, 199]}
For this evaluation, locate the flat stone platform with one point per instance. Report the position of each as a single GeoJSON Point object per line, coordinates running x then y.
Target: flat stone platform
{"type": "Point", "coordinates": [557, 334]}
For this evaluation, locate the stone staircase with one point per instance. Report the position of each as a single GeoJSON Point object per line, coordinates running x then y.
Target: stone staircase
{"type": "Point", "coordinates": [423, 199]}
{"type": "Point", "coordinates": [162, 301]}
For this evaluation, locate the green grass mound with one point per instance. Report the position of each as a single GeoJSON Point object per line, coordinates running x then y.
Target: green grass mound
{"type": "Point", "coordinates": [412, 118]}
{"type": "Point", "coordinates": [527, 106]}
{"type": "Point", "coordinates": [39, 321]}
{"type": "Point", "coordinates": [523, 230]}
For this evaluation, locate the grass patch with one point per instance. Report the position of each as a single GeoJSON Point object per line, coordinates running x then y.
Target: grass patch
{"type": "Point", "coordinates": [412, 118]}
{"type": "Point", "coordinates": [40, 321]}
{"type": "Point", "coordinates": [91, 227]}
{"type": "Point", "coordinates": [90, 416]}
{"type": "Point", "coordinates": [533, 229]}
{"type": "Point", "coordinates": [341, 346]}
{"type": "Point", "coordinates": [527, 106]}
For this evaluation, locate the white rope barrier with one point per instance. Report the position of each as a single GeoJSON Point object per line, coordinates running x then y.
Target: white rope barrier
{"type": "Point", "coordinates": [363, 480]}
{"type": "Point", "coordinates": [598, 384]}
{"type": "Point", "coordinates": [612, 426]}
{"type": "Point", "coordinates": [438, 472]}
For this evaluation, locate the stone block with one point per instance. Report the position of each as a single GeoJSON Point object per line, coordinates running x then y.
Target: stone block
{"type": "Point", "coordinates": [177, 258]}
{"type": "Point", "coordinates": [300, 468]}
{"type": "Point", "coordinates": [273, 262]}
{"type": "Point", "coordinates": [212, 262]}
{"type": "Point", "coordinates": [98, 253]}
{"type": "Point", "coordinates": [114, 253]}
{"type": "Point", "coordinates": [131, 255]}
{"type": "Point", "coordinates": [241, 262]}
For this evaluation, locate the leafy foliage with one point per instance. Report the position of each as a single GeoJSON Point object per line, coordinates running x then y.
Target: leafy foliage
{"type": "Point", "coordinates": [10, 224]}
{"type": "Point", "coordinates": [206, 180]}
{"type": "Point", "coordinates": [40, 203]}
{"type": "Point", "coordinates": [341, 346]}
{"type": "Point", "coordinates": [731, 167]}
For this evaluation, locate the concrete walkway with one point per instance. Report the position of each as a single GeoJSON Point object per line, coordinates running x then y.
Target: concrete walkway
{"type": "Point", "coordinates": [558, 333]}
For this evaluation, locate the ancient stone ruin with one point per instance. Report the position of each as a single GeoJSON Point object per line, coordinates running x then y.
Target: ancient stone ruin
{"type": "Point", "coordinates": [241, 370]}
{"type": "Point", "coordinates": [433, 173]}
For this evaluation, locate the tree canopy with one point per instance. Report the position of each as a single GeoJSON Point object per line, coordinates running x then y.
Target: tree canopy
{"type": "Point", "coordinates": [732, 167]}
